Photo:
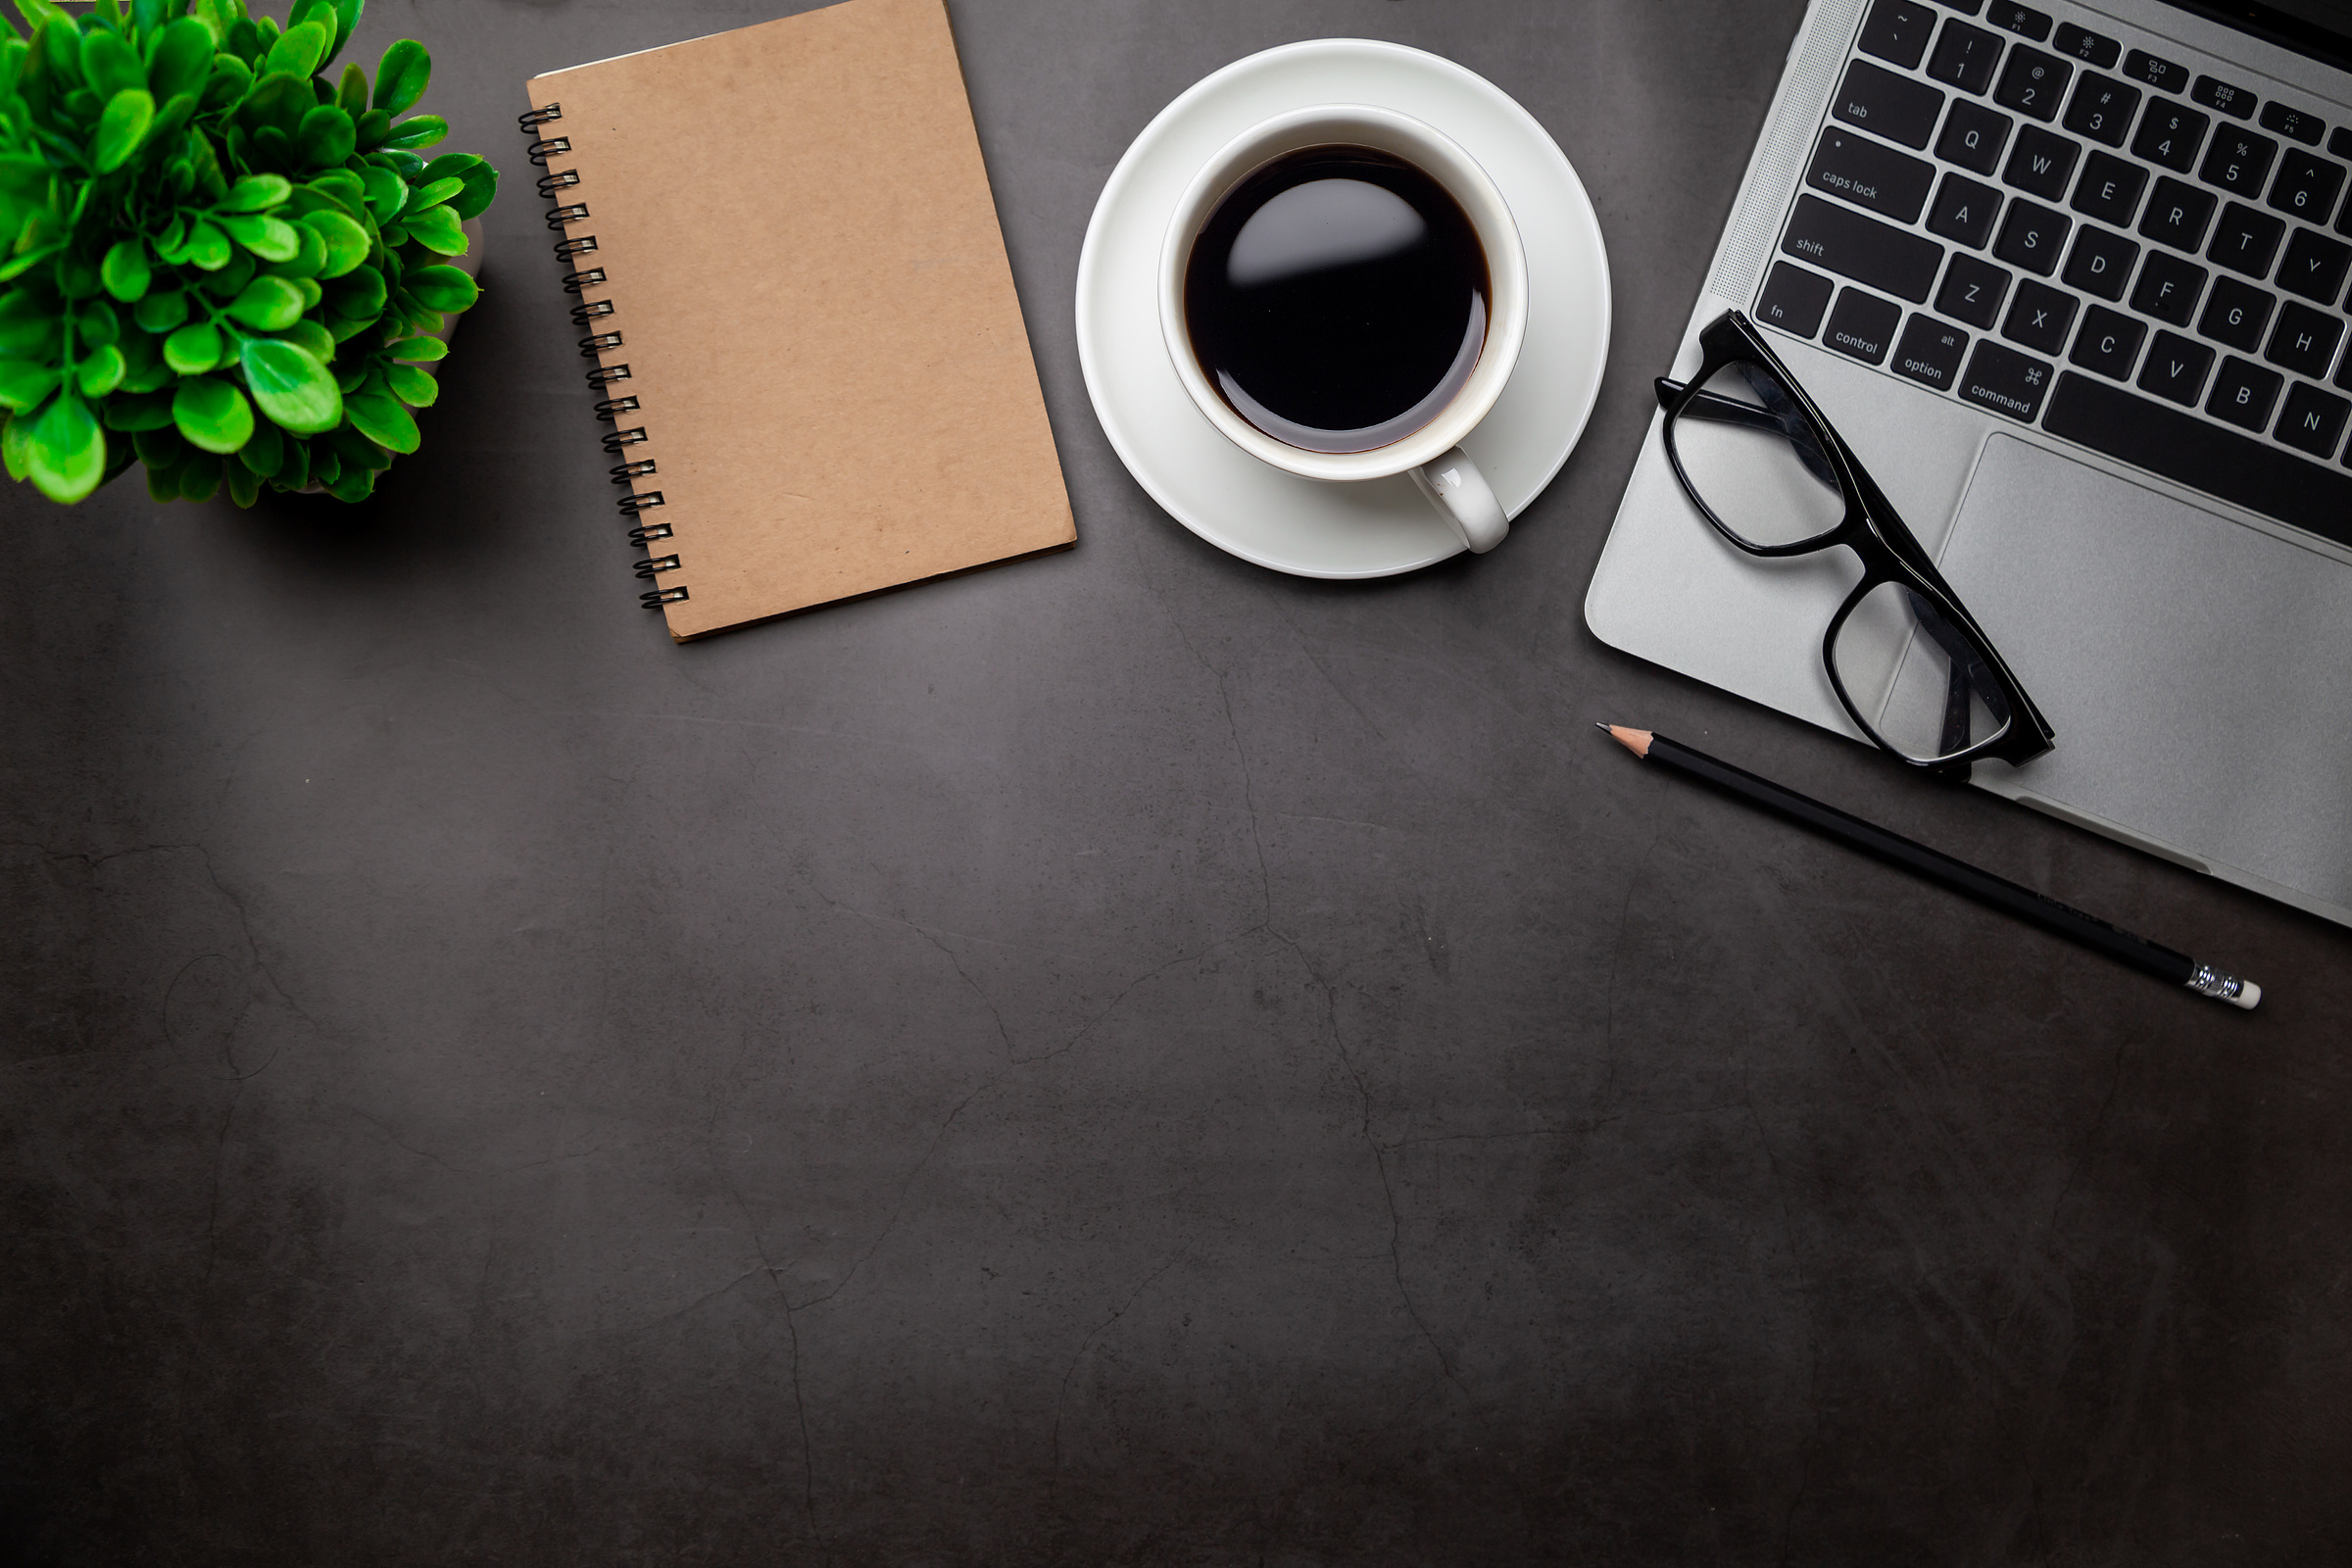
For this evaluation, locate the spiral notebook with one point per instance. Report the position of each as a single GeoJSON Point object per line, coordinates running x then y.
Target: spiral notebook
{"type": "Point", "coordinates": [806, 335]}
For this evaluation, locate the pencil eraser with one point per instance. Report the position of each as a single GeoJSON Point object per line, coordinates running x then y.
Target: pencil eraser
{"type": "Point", "coordinates": [2248, 996]}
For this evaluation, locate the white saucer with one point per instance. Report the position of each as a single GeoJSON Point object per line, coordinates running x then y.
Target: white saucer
{"type": "Point", "coordinates": [1373, 528]}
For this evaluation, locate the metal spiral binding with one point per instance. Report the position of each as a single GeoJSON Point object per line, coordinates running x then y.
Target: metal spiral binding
{"type": "Point", "coordinates": [577, 282]}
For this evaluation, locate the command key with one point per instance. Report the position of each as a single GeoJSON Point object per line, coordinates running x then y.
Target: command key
{"type": "Point", "coordinates": [2003, 379]}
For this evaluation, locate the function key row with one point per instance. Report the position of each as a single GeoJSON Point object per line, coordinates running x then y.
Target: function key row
{"type": "Point", "coordinates": [1899, 31]}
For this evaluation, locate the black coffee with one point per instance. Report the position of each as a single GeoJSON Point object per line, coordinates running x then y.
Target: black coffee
{"type": "Point", "coordinates": [1337, 297]}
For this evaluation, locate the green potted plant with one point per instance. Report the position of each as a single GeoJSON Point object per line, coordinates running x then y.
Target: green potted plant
{"type": "Point", "coordinates": [214, 259]}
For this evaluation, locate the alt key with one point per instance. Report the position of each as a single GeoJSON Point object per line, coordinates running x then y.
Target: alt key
{"type": "Point", "coordinates": [1930, 352]}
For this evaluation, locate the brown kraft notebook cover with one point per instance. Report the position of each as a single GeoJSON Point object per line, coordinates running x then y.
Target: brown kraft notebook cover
{"type": "Point", "coordinates": [814, 306]}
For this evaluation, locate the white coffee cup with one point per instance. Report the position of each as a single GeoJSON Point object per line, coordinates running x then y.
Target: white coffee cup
{"type": "Point", "coordinates": [1432, 454]}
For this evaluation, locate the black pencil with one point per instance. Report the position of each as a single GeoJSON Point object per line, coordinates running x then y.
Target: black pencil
{"type": "Point", "coordinates": [2026, 905]}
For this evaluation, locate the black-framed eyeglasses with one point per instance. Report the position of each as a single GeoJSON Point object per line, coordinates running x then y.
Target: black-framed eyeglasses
{"type": "Point", "coordinates": [1760, 462]}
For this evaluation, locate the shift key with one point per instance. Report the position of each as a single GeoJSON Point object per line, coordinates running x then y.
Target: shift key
{"type": "Point", "coordinates": [1876, 254]}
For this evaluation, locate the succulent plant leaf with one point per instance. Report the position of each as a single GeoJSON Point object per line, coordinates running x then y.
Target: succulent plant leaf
{"type": "Point", "coordinates": [210, 412]}
{"type": "Point", "coordinates": [126, 270]}
{"type": "Point", "coordinates": [292, 388]}
{"type": "Point", "coordinates": [402, 77]}
{"type": "Point", "coordinates": [121, 127]}
{"type": "Point", "coordinates": [443, 288]}
{"type": "Point", "coordinates": [67, 457]}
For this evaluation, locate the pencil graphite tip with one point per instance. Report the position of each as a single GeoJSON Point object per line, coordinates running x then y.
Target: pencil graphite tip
{"type": "Point", "coordinates": [1636, 741]}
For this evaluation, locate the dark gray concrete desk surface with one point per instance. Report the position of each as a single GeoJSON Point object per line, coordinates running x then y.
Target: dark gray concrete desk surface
{"type": "Point", "coordinates": [1128, 1057]}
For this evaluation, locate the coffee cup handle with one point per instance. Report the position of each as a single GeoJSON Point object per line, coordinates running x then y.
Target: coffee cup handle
{"type": "Point", "coordinates": [1464, 498]}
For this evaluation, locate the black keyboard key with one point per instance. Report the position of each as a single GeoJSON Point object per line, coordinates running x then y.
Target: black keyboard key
{"type": "Point", "coordinates": [2188, 451]}
{"type": "Point", "coordinates": [2238, 161]}
{"type": "Point", "coordinates": [2235, 102]}
{"type": "Point", "coordinates": [2161, 74]}
{"type": "Point", "coordinates": [2168, 288]}
{"type": "Point", "coordinates": [1870, 174]}
{"type": "Point", "coordinates": [2040, 316]}
{"type": "Point", "coordinates": [2003, 379]}
{"type": "Point", "coordinates": [1972, 291]}
{"type": "Point", "coordinates": [2170, 134]}
{"type": "Point", "coordinates": [1793, 299]}
{"type": "Point", "coordinates": [1888, 105]}
{"type": "Point", "coordinates": [1964, 211]}
{"type": "Point", "coordinates": [1898, 31]}
{"type": "Point", "coordinates": [1840, 240]}
{"type": "Point", "coordinates": [2313, 420]}
{"type": "Point", "coordinates": [2177, 215]}
{"type": "Point", "coordinates": [2042, 163]}
{"type": "Point", "coordinates": [2095, 48]}
{"type": "Point", "coordinates": [2245, 240]}
{"type": "Point", "coordinates": [2306, 187]}
{"type": "Point", "coordinates": [2032, 237]}
{"type": "Point", "coordinates": [2292, 124]}
{"type": "Point", "coordinates": [1964, 55]}
{"type": "Point", "coordinates": [1967, 8]}
{"type": "Point", "coordinates": [2109, 189]}
{"type": "Point", "coordinates": [1973, 137]}
{"type": "Point", "coordinates": [2109, 342]}
{"type": "Point", "coordinates": [2101, 262]}
{"type": "Point", "coordinates": [1930, 352]}
{"type": "Point", "coordinates": [2032, 83]}
{"type": "Point", "coordinates": [1862, 326]}
{"type": "Point", "coordinates": [2235, 314]}
{"type": "Point", "coordinates": [2101, 109]}
{"type": "Point", "coordinates": [2339, 141]}
{"type": "Point", "coordinates": [2314, 266]}
{"type": "Point", "coordinates": [2304, 340]}
{"type": "Point", "coordinates": [2035, 24]}
{"type": "Point", "coordinates": [2244, 393]}
{"type": "Point", "coordinates": [2176, 368]}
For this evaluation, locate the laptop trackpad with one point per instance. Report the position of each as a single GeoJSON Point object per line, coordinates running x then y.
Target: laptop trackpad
{"type": "Point", "coordinates": [2198, 672]}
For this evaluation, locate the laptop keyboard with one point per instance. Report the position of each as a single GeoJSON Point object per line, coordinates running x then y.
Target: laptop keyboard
{"type": "Point", "coordinates": [2135, 249]}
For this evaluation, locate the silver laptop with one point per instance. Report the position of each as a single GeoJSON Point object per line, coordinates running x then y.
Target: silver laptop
{"type": "Point", "coordinates": [2070, 280]}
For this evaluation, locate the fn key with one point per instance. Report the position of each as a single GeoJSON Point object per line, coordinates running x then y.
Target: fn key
{"type": "Point", "coordinates": [1793, 300]}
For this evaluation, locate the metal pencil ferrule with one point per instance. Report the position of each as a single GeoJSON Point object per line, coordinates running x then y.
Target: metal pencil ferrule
{"type": "Point", "coordinates": [2213, 983]}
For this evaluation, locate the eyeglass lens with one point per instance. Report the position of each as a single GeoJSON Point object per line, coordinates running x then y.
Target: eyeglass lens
{"type": "Point", "coordinates": [1920, 682]}
{"type": "Point", "coordinates": [1753, 459]}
